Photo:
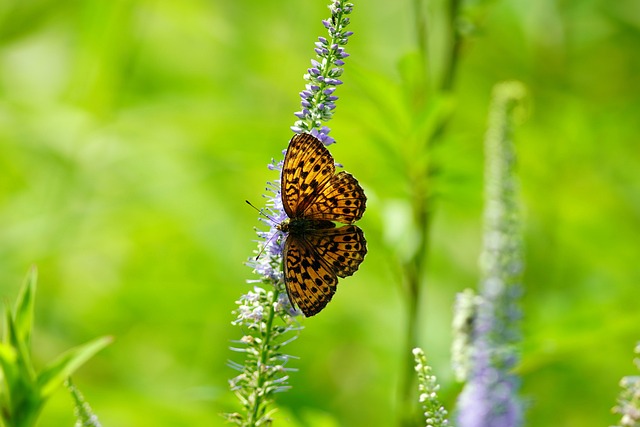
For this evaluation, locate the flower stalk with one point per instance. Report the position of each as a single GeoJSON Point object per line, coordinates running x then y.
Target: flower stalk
{"type": "Point", "coordinates": [266, 316]}
{"type": "Point", "coordinates": [434, 412]}
{"type": "Point", "coordinates": [263, 372]}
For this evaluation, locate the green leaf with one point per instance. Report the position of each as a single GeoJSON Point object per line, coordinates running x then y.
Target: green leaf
{"type": "Point", "coordinates": [7, 360]}
{"type": "Point", "coordinates": [24, 307]}
{"type": "Point", "coordinates": [22, 363]}
{"type": "Point", "coordinates": [61, 368]}
{"type": "Point", "coordinates": [7, 353]}
{"type": "Point", "coordinates": [20, 400]}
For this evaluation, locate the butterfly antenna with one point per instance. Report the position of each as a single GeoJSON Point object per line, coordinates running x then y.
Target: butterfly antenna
{"type": "Point", "coordinates": [261, 212]}
{"type": "Point", "coordinates": [265, 245]}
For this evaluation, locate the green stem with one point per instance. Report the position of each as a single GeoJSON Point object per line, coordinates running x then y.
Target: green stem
{"type": "Point", "coordinates": [455, 42]}
{"type": "Point", "coordinates": [421, 31]}
{"type": "Point", "coordinates": [259, 392]}
{"type": "Point", "coordinates": [441, 81]}
{"type": "Point", "coordinates": [414, 274]}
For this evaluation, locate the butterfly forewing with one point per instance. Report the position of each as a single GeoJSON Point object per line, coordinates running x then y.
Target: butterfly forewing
{"type": "Point", "coordinates": [308, 167]}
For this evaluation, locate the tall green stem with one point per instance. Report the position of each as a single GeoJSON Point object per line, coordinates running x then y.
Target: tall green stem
{"type": "Point", "coordinates": [439, 73]}
{"type": "Point", "coordinates": [265, 349]}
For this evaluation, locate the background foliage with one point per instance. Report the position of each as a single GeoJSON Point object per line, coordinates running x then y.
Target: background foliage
{"type": "Point", "coordinates": [131, 132]}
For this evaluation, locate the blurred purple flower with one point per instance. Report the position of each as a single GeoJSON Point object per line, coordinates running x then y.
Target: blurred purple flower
{"type": "Point", "coordinates": [490, 397]}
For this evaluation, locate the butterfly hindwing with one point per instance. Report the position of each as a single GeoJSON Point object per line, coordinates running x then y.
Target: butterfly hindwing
{"type": "Point", "coordinates": [343, 248]}
{"type": "Point", "coordinates": [310, 282]}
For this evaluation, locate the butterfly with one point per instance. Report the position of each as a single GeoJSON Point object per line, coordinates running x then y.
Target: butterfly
{"type": "Point", "coordinates": [314, 197]}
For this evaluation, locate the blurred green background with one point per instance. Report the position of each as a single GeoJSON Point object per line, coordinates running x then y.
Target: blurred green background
{"type": "Point", "coordinates": [131, 133]}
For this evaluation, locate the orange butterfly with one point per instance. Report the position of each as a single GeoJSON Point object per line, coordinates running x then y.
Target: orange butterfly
{"type": "Point", "coordinates": [316, 253]}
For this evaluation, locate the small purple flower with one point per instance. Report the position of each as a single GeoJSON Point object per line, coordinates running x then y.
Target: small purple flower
{"type": "Point", "coordinates": [323, 135]}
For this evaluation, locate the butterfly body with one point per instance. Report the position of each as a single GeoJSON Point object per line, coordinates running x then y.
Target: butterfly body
{"type": "Point", "coordinates": [301, 226]}
{"type": "Point", "coordinates": [315, 198]}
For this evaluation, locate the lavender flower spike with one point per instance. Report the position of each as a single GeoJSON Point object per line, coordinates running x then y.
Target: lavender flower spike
{"type": "Point", "coordinates": [490, 395]}
{"type": "Point", "coordinates": [318, 101]}
{"type": "Point", "coordinates": [266, 316]}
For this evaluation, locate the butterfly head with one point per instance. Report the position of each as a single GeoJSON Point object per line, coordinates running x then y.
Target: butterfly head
{"type": "Point", "coordinates": [284, 226]}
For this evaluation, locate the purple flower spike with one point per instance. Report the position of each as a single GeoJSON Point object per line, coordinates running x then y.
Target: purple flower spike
{"type": "Point", "coordinates": [318, 101]}
{"type": "Point", "coordinates": [266, 315]}
{"type": "Point", "coordinates": [490, 396]}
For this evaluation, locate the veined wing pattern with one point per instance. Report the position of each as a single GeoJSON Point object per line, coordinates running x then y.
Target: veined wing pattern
{"type": "Point", "coordinates": [316, 253]}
